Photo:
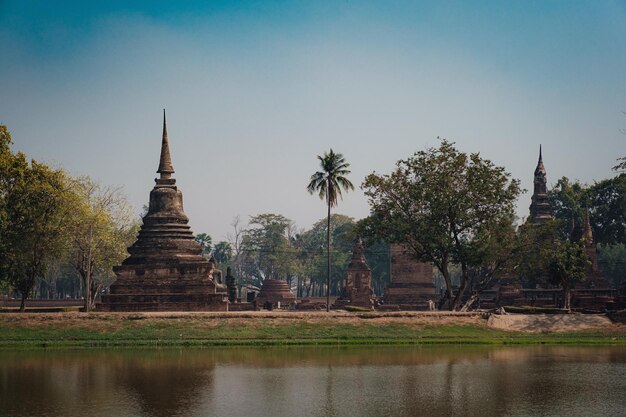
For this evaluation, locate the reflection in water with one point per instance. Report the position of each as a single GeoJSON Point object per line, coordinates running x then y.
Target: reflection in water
{"type": "Point", "coordinates": [380, 381]}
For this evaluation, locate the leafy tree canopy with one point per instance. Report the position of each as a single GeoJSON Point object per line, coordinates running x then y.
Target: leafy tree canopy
{"type": "Point", "coordinates": [102, 226]}
{"type": "Point", "coordinates": [223, 252]}
{"type": "Point", "coordinates": [35, 204]}
{"type": "Point", "coordinates": [567, 264]}
{"type": "Point", "coordinates": [446, 205]}
{"type": "Point", "coordinates": [605, 200]}
{"type": "Point", "coordinates": [268, 249]}
{"type": "Point", "coordinates": [205, 242]}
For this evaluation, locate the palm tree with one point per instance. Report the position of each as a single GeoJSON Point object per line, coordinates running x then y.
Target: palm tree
{"type": "Point", "coordinates": [328, 183]}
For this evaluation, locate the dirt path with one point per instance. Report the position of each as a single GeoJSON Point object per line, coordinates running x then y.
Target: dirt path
{"type": "Point", "coordinates": [535, 323]}
{"type": "Point", "coordinates": [113, 320]}
{"type": "Point", "coordinates": [550, 322]}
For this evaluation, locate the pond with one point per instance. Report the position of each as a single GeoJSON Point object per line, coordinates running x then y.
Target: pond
{"type": "Point", "coordinates": [315, 381]}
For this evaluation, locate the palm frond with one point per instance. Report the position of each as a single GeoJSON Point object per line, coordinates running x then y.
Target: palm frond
{"type": "Point", "coordinates": [331, 180]}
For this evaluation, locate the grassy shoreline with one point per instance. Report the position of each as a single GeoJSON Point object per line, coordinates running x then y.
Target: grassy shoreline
{"type": "Point", "coordinates": [71, 330]}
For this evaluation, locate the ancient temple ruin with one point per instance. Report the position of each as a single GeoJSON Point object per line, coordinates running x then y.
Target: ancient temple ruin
{"type": "Point", "coordinates": [357, 290]}
{"type": "Point", "coordinates": [595, 277]}
{"type": "Point", "coordinates": [593, 294]}
{"type": "Point", "coordinates": [165, 270]}
{"type": "Point", "coordinates": [275, 293]}
{"type": "Point", "coordinates": [411, 286]}
{"type": "Point", "coordinates": [540, 211]}
{"type": "Point", "coordinates": [231, 285]}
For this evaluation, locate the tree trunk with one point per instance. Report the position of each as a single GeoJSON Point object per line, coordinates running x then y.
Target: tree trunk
{"type": "Point", "coordinates": [328, 250]}
{"type": "Point", "coordinates": [469, 303]}
{"type": "Point", "coordinates": [23, 303]}
{"type": "Point", "coordinates": [459, 296]}
{"type": "Point", "coordinates": [444, 298]}
{"type": "Point", "coordinates": [87, 306]}
{"type": "Point", "coordinates": [94, 294]}
{"type": "Point", "coordinates": [26, 289]}
{"type": "Point", "coordinates": [299, 287]}
{"type": "Point", "coordinates": [567, 298]}
{"type": "Point", "coordinates": [88, 274]}
{"type": "Point", "coordinates": [448, 294]}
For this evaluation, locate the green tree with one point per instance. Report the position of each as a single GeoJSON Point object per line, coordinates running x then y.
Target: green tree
{"type": "Point", "coordinates": [205, 242]}
{"type": "Point", "coordinates": [7, 168]}
{"type": "Point", "coordinates": [101, 229]}
{"type": "Point", "coordinates": [528, 257]}
{"type": "Point", "coordinates": [568, 200]}
{"type": "Point", "coordinates": [311, 244]}
{"type": "Point", "coordinates": [267, 248]}
{"type": "Point", "coordinates": [329, 184]}
{"type": "Point", "coordinates": [607, 210]}
{"type": "Point", "coordinates": [612, 262]}
{"type": "Point", "coordinates": [493, 255]}
{"type": "Point", "coordinates": [35, 203]}
{"type": "Point", "coordinates": [446, 206]}
{"type": "Point", "coordinates": [605, 200]}
{"type": "Point", "coordinates": [223, 253]}
{"type": "Point", "coordinates": [567, 263]}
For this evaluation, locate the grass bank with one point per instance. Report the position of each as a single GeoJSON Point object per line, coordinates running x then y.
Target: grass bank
{"type": "Point", "coordinates": [275, 328]}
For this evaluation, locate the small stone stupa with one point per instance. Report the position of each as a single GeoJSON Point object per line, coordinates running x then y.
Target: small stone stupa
{"type": "Point", "coordinates": [357, 290]}
{"type": "Point", "coordinates": [165, 270]}
{"type": "Point", "coordinates": [275, 293]}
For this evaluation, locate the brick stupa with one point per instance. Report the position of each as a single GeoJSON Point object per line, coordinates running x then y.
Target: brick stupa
{"type": "Point", "coordinates": [540, 211]}
{"type": "Point", "coordinates": [357, 290]}
{"type": "Point", "coordinates": [273, 292]}
{"type": "Point", "coordinates": [595, 277]}
{"type": "Point", "coordinates": [165, 270]}
{"type": "Point", "coordinates": [411, 286]}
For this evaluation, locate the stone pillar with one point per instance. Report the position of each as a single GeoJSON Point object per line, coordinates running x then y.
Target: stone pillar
{"type": "Point", "coordinates": [231, 285]}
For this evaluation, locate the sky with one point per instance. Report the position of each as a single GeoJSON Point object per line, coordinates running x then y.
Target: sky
{"type": "Point", "coordinates": [254, 91]}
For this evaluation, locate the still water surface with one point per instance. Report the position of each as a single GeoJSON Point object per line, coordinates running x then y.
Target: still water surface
{"type": "Point", "coordinates": [380, 381]}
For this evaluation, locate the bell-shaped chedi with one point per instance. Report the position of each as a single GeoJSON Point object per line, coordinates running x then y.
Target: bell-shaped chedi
{"type": "Point", "coordinates": [357, 290]}
{"type": "Point", "coordinates": [275, 293]}
{"type": "Point", "coordinates": [165, 270]}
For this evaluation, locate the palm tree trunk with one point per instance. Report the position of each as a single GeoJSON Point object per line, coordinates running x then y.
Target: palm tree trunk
{"type": "Point", "coordinates": [328, 250]}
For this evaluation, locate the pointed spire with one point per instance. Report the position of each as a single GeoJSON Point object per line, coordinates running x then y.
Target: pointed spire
{"type": "Point", "coordinates": [587, 232]}
{"type": "Point", "coordinates": [540, 167]}
{"type": "Point", "coordinates": [357, 252]}
{"type": "Point", "coordinates": [572, 228]}
{"type": "Point", "coordinates": [166, 169]}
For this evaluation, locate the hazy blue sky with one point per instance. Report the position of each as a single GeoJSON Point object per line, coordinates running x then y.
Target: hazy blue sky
{"type": "Point", "coordinates": [255, 90]}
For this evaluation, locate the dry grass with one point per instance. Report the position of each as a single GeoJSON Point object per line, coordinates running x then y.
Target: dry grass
{"type": "Point", "coordinates": [205, 328]}
{"type": "Point", "coordinates": [208, 320]}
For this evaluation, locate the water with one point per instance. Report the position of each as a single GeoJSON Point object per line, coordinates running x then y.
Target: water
{"type": "Point", "coordinates": [380, 381]}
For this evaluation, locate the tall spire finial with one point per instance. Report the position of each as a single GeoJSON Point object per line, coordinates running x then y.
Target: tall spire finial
{"type": "Point", "coordinates": [587, 232]}
{"type": "Point", "coordinates": [540, 168]}
{"type": "Point", "coordinates": [166, 169]}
